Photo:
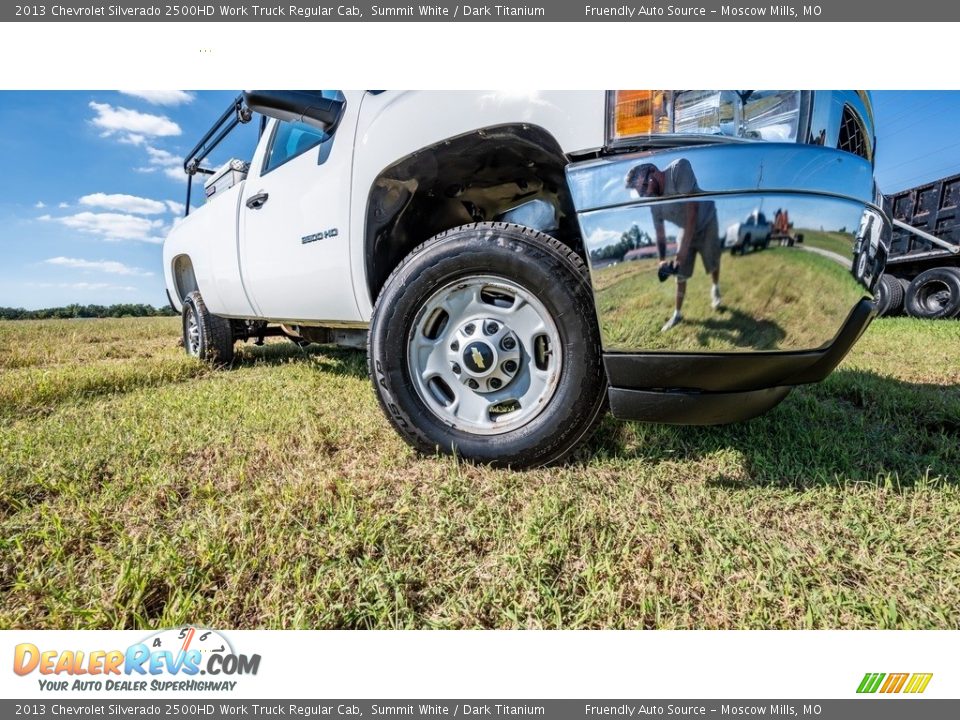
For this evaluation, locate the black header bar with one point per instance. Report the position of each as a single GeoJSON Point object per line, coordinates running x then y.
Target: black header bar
{"type": "Point", "coordinates": [446, 11]}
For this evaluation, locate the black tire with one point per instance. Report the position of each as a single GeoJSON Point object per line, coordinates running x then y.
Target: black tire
{"type": "Point", "coordinates": [889, 295]}
{"type": "Point", "coordinates": [860, 263]}
{"type": "Point", "coordinates": [214, 335]}
{"type": "Point", "coordinates": [559, 280]}
{"type": "Point", "coordinates": [934, 293]}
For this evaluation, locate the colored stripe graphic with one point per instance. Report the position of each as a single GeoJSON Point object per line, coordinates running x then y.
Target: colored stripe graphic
{"type": "Point", "coordinates": [918, 682]}
{"type": "Point", "coordinates": [894, 683]}
{"type": "Point", "coordinates": [870, 682]}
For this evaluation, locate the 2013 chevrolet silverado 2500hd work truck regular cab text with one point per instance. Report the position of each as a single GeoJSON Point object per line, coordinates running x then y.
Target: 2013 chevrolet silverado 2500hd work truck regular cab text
{"type": "Point", "coordinates": [474, 242]}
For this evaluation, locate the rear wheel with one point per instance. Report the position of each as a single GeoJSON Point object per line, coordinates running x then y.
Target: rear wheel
{"type": "Point", "coordinates": [889, 295]}
{"type": "Point", "coordinates": [206, 336]}
{"type": "Point", "coordinates": [484, 343]}
{"type": "Point", "coordinates": [934, 293]}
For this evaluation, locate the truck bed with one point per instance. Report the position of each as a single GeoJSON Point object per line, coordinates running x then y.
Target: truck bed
{"type": "Point", "coordinates": [931, 207]}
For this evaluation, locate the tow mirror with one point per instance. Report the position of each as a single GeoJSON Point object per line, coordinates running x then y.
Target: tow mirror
{"type": "Point", "coordinates": [309, 106]}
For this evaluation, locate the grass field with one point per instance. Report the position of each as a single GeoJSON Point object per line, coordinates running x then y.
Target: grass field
{"type": "Point", "coordinates": [140, 489]}
{"type": "Point", "coordinates": [775, 299]}
{"type": "Point", "coordinates": [837, 243]}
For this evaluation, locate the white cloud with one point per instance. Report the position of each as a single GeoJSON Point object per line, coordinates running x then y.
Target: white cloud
{"type": "Point", "coordinates": [175, 207]}
{"type": "Point", "coordinates": [123, 203]}
{"type": "Point", "coordinates": [113, 226]}
{"type": "Point", "coordinates": [40, 204]}
{"type": "Point", "coordinates": [161, 97]}
{"type": "Point", "coordinates": [108, 266]}
{"type": "Point", "coordinates": [599, 238]}
{"type": "Point", "coordinates": [130, 139]}
{"type": "Point", "coordinates": [131, 123]}
{"type": "Point", "coordinates": [161, 157]}
{"type": "Point", "coordinates": [63, 205]}
{"type": "Point", "coordinates": [171, 165]}
{"type": "Point", "coordinates": [84, 286]}
{"type": "Point", "coordinates": [175, 173]}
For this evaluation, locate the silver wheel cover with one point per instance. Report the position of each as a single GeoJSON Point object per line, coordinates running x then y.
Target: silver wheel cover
{"type": "Point", "coordinates": [484, 355]}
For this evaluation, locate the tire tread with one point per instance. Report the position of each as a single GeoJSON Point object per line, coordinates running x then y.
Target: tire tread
{"type": "Point", "coordinates": [561, 254]}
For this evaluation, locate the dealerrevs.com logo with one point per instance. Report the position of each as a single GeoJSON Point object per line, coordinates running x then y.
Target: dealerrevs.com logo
{"type": "Point", "coordinates": [169, 660]}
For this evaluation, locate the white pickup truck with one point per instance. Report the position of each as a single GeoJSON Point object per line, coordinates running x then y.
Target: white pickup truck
{"type": "Point", "coordinates": [751, 234]}
{"type": "Point", "coordinates": [452, 234]}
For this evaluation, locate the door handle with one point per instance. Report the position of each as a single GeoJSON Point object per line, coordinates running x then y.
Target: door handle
{"type": "Point", "coordinates": [255, 202]}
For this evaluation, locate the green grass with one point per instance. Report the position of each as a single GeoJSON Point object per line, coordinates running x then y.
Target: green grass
{"type": "Point", "coordinates": [837, 243]}
{"type": "Point", "coordinates": [140, 489]}
{"type": "Point", "coordinates": [775, 299]}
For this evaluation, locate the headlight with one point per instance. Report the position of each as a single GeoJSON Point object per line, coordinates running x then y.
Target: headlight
{"type": "Point", "coordinates": [772, 115]}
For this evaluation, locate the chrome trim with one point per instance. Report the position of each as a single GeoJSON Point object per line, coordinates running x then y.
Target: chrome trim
{"type": "Point", "coordinates": [789, 291]}
{"type": "Point", "coordinates": [729, 168]}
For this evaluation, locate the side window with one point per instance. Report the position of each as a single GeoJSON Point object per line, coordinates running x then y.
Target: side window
{"type": "Point", "coordinates": [291, 139]}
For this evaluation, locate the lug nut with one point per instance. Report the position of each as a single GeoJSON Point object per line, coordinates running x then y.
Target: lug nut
{"type": "Point", "coordinates": [510, 367]}
{"type": "Point", "coordinates": [508, 343]}
{"type": "Point", "coordinates": [495, 383]}
{"type": "Point", "coordinates": [456, 369]}
{"type": "Point", "coordinates": [469, 329]}
{"type": "Point", "coordinates": [472, 384]}
{"type": "Point", "coordinates": [492, 328]}
{"type": "Point", "coordinates": [454, 346]}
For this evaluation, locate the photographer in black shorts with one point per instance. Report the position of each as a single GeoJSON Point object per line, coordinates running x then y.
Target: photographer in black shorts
{"type": "Point", "coordinates": [697, 220]}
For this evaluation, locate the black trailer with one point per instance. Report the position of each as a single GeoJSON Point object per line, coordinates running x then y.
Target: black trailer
{"type": "Point", "coordinates": [922, 275]}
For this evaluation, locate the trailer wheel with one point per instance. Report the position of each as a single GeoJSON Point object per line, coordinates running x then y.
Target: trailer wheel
{"type": "Point", "coordinates": [889, 295]}
{"type": "Point", "coordinates": [206, 336]}
{"type": "Point", "coordinates": [934, 293]}
{"type": "Point", "coordinates": [484, 343]}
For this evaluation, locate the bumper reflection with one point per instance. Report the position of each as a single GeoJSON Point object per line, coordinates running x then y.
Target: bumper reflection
{"type": "Point", "coordinates": [790, 291]}
{"type": "Point", "coordinates": [729, 248]}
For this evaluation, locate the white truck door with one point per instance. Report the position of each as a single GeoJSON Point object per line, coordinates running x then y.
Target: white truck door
{"type": "Point", "coordinates": [294, 222]}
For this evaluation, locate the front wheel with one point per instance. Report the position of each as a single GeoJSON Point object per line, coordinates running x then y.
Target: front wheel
{"type": "Point", "coordinates": [484, 343]}
{"type": "Point", "coordinates": [206, 336]}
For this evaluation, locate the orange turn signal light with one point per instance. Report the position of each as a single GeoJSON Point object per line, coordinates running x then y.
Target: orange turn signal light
{"type": "Point", "coordinates": [639, 112]}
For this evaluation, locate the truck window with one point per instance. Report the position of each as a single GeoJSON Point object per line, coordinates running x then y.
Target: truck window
{"type": "Point", "coordinates": [291, 139]}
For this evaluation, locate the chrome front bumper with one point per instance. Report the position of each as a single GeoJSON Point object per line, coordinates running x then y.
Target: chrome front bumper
{"type": "Point", "coordinates": [791, 308]}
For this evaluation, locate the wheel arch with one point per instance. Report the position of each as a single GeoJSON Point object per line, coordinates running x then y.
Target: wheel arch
{"type": "Point", "coordinates": [183, 276]}
{"type": "Point", "coordinates": [512, 172]}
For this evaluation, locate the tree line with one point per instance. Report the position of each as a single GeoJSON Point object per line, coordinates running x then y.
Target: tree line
{"type": "Point", "coordinates": [630, 240]}
{"type": "Point", "coordinates": [87, 311]}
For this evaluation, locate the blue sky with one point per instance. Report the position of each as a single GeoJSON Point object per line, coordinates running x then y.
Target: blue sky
{"type": "Point", "coordinates": [94, 181]}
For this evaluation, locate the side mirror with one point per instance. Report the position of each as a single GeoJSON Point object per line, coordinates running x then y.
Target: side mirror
{"type": "Point", "coordinates": [307, 106]}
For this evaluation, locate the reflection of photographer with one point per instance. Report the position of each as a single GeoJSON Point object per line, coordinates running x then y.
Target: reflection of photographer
{"type": "Point", "coordinates": [696, 219]}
